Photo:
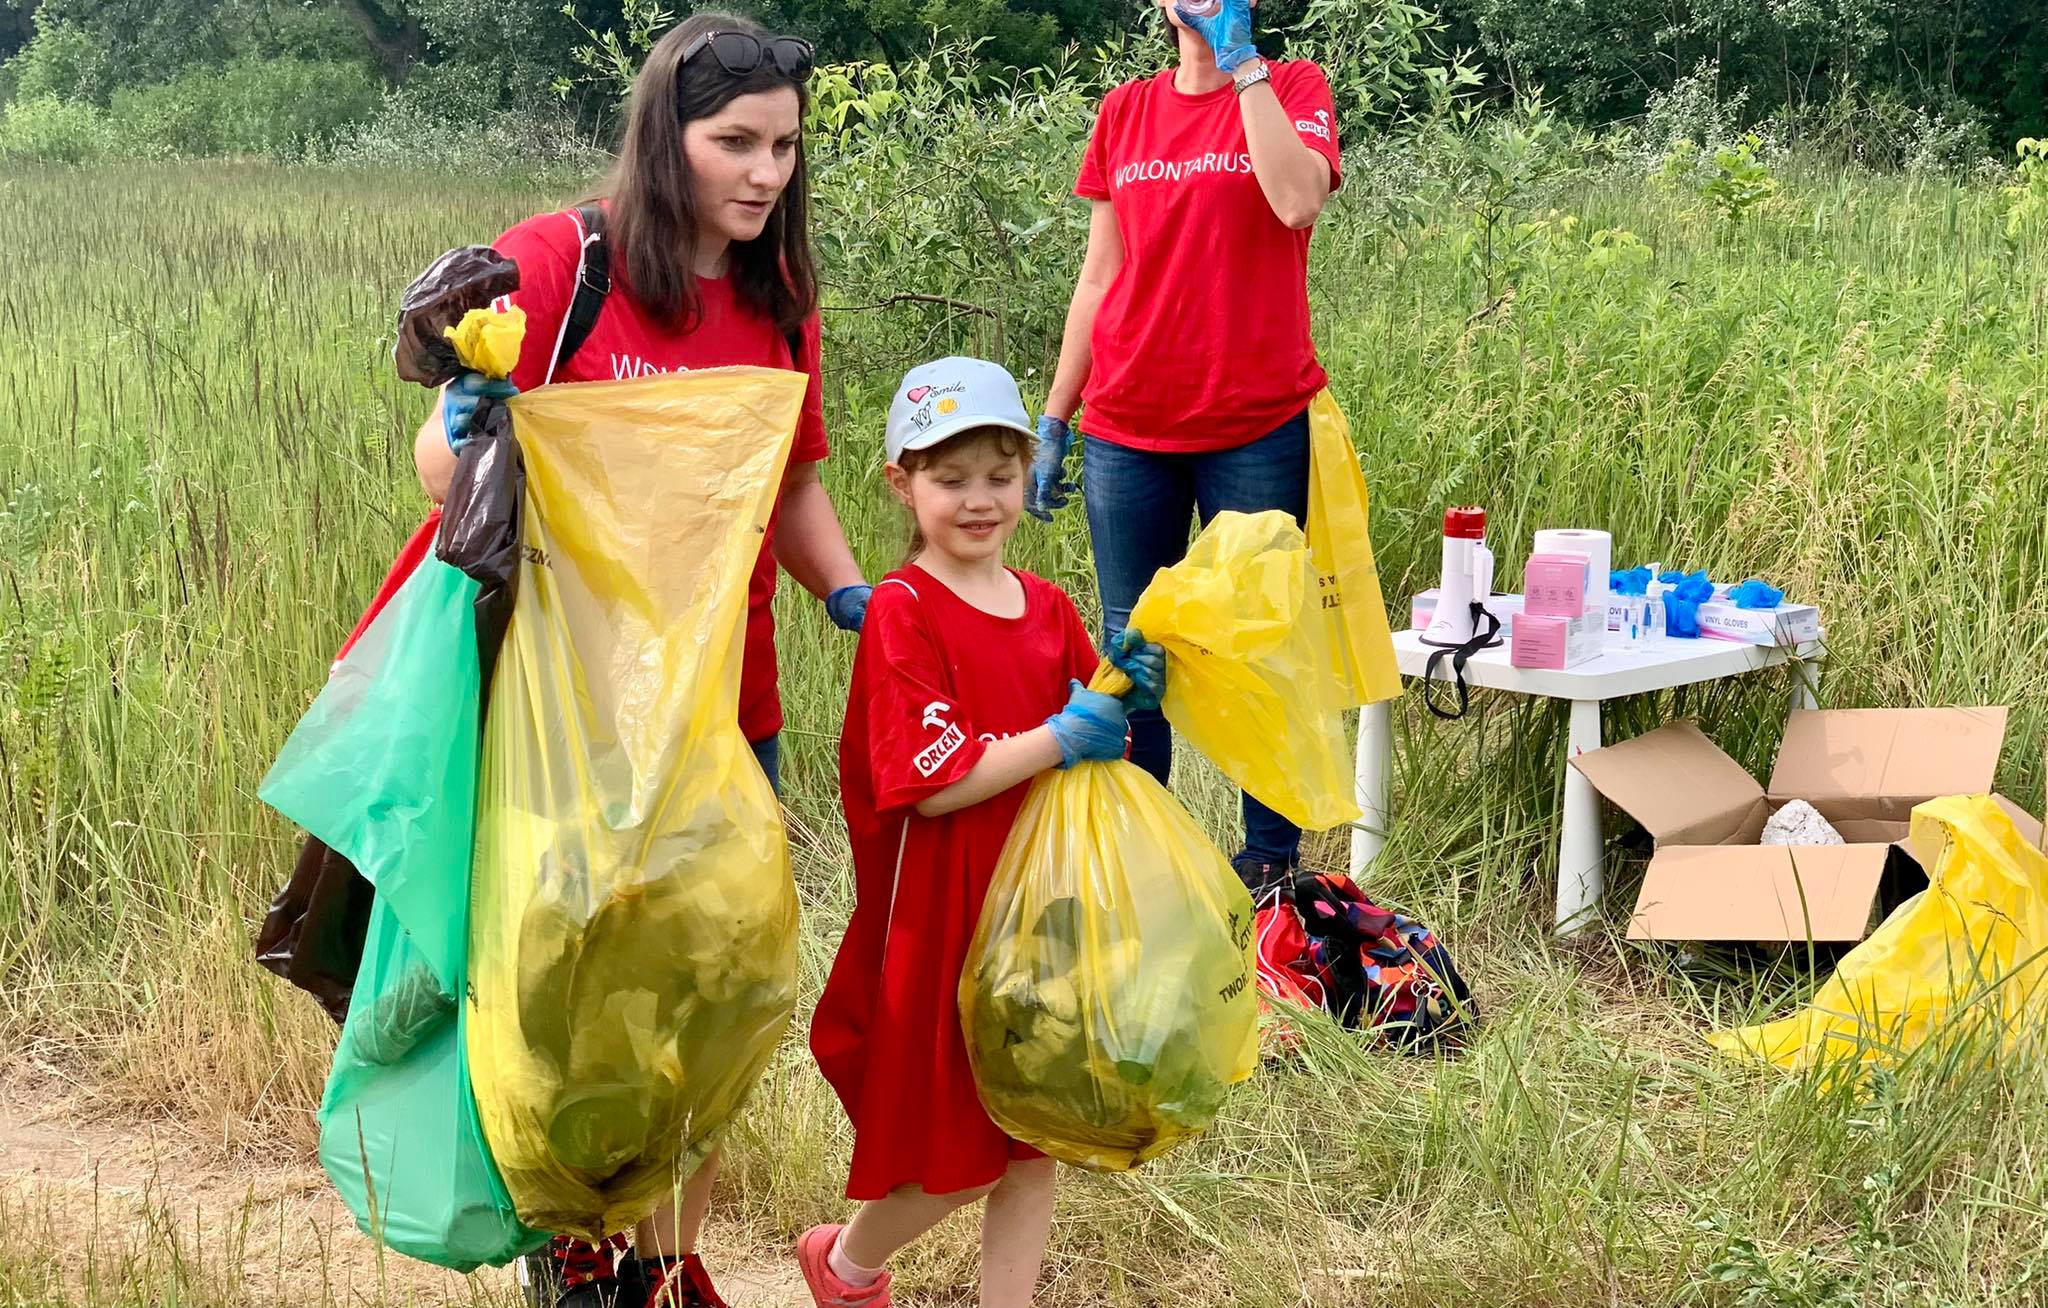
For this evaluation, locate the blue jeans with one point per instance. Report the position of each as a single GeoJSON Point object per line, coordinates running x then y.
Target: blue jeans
{"type": "Point", "coordinates": [1139, 504]}
{"type": "Point", "coordinates": [768, 752]}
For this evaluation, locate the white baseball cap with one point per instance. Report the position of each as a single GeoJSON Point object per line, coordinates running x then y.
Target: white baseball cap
{"type": "Point", "coordinates": [939, 400]}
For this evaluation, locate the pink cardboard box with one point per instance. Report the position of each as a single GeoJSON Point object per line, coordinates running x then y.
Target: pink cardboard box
{"type": "Point", "coordinates": [1541, 641]}
{"type": "Point", "coordinates": [1555, 585]}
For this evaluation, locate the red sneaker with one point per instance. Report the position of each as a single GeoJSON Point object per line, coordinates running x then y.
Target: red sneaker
{"type": "Point", "coordinates": [814, 1257]}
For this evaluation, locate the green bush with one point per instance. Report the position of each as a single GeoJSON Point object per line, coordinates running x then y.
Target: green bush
{"type": "Point", "coordinates": [281, 107]}
{"type": "Point", "coordinates": [175, 119]}
{"type": "Point", "coordinates": [448, 118]}
{"type": "Point", "coordinates": [1733, 178]}
{"type": "Point", "coordinates": [61, 61]}
{"type": "Point", "coordinates": [48, 130]}
{"type": "Point", "coordinates": [942, 206]}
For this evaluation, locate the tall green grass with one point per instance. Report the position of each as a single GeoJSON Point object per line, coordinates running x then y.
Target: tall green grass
{"type": "Point", "coordinates": [205, 467]}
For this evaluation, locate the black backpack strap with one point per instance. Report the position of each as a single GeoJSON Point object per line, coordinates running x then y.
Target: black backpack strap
{"type": "Point", "coordinates": [593, 284]}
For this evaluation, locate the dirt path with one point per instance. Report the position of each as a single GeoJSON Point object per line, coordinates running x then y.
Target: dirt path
{"type": "Point", "coordinates": [166, 1208]}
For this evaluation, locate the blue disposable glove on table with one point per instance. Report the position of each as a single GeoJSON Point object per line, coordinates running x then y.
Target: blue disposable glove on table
{"type": "Point", "coordinates": [1090, 728]}
{"type": "Point", "coordinates": [1226, 25]}
{"type": "Point", "coordinates": [459, 401]}
{"type": "Point", "coordinates": [1682, 602]}
{"type": "Point", "coordinates": [848, 606]}
{"type": "Point", "coordinates": [1756, 594]}
{"type": "Point", "coordinates": [1144, 664]}
{"type": "Point", "coordinates": [1050, 488]}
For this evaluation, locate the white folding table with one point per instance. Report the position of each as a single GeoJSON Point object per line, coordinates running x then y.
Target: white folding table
{"type": "Point", "coordinates": [1660, 663]}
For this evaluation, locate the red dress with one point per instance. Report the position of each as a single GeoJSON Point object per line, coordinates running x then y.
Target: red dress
{"type": "Point", "coordinates": [935, 681]}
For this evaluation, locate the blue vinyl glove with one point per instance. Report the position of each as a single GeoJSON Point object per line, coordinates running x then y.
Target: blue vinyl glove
{"type": "Point", "coordinates": [1226, 25]}
{"type": "Point", "coordinates": [848, 606]}
{"type": "Point", "coordinates": [1635, 581]}
{"type": "Point", "coordinates": [1682, 603]}
{"type": "Point", "coordinates": [1090, 727]}
{"type": "Point", "coordinates": [1049, 485]}
{"type": "Point", "coordinates": [1144, 664]}
{"type": "Point", "coordinates": [458, 403]}
{"type": "Point", "coordinates": [1756, 594]}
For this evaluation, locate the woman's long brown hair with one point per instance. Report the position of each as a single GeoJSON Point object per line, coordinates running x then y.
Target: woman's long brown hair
{"type": "Point", "coordinates": [652, 226]}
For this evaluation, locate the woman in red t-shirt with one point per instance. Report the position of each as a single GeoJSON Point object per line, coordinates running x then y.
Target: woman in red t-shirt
{"type": "Point", "coordinates": [705, 218]}
{"type": "Point", "coordinates": [966, 686]}
{"type": "Point", "coordinates": [1188, 336]}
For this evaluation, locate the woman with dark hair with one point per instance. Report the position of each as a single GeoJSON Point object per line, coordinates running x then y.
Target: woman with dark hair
{"type": "Point", "coordinates": [1188, 335]}
{"type": "Point", "coordinates": [705, 222]}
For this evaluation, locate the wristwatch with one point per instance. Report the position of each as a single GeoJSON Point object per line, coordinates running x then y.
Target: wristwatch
{"type": "Point", "coordinates": [1251, 75]}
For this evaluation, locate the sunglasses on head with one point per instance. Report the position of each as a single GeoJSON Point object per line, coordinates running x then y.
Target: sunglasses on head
{"type": "Point", "coordinates": [740, 53]}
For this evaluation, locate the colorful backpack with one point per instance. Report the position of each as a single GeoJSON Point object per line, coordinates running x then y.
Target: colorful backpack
{"type": "Point", "coordinates": [1322, 944]}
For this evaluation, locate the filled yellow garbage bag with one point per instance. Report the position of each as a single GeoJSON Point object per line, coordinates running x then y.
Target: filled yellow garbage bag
{"type": "Point", "coordinates": [1347, 580]}
{"type": "Point", "coordinates": [1969, 952]}
{"type": "Point", "coordinates": [1107, 997]}
{"type": "Point", "coordinates": [633, 918]}
{"type": "Point", "coordinates": [1249, 665]}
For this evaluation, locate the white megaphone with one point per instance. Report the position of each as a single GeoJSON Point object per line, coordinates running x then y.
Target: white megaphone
{"type": "Point", "coordinates": [1467, 584]}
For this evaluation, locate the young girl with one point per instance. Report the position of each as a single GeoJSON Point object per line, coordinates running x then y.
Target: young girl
{"type": "Point", "coordinates": [965, 687]}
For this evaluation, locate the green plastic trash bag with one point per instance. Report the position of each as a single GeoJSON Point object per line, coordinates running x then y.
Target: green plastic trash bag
{"type": "Point", "coordinates": [383, 769]}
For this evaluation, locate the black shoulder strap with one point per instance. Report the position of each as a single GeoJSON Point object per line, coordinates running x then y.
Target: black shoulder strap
{"type": "Point", "coordinates": [593, 283]}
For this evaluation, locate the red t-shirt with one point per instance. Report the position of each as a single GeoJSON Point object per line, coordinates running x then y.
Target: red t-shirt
{"type": "Point", "coordinates": [626, 342]}
{"type": "Point", "coordinates": [1203, 340]}
{"type": "Point", "coordinates": [935, 681]}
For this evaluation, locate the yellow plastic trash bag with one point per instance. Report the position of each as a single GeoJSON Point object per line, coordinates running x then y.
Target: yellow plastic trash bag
{"type": "Point", "coordinates": [1107, 997]}
{"type": "Point", "coordinates": [1249, 664]}
{"type": "Point", "coordinates": [1967, 950]}
{"type": "Point", "coordinates": [633, 918]}
{"type": "Point", "coordinates": [1347, 581]}
{"type": "Point", "coordinates": [488, 340]}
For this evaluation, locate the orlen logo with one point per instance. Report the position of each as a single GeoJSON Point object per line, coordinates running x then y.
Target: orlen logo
{"type": "Point", "coordinates": [933, 756]}
{"type": "Point", "coordinates": [1320, 127]}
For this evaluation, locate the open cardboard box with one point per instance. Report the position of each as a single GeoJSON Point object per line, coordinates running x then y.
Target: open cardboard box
{"type": "Point", "coordinates": [1863, 769]}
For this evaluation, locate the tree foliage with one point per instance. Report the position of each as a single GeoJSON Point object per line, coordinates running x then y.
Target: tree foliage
{"type": "Point", "coordinates": [1607, 59]}
{"type": "Point", "coordinates": [1835, 65]}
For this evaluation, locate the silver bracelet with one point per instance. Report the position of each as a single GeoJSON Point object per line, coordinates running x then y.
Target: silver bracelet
{"type": "Point", "coordinates": [1251, 77]}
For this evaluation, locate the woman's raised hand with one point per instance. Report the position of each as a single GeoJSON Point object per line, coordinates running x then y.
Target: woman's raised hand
{"type": "Point", "coordinates": [1049, 488]}
{"type": "Point", "coordinates": [1225, 24]}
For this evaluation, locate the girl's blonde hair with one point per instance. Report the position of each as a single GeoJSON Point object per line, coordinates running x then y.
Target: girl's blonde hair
{"type": "Point", "coordinates": [1008, 443]}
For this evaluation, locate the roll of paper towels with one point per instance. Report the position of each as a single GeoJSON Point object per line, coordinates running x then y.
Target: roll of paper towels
{"type": "Point", "coordinates": [1597, 546]}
